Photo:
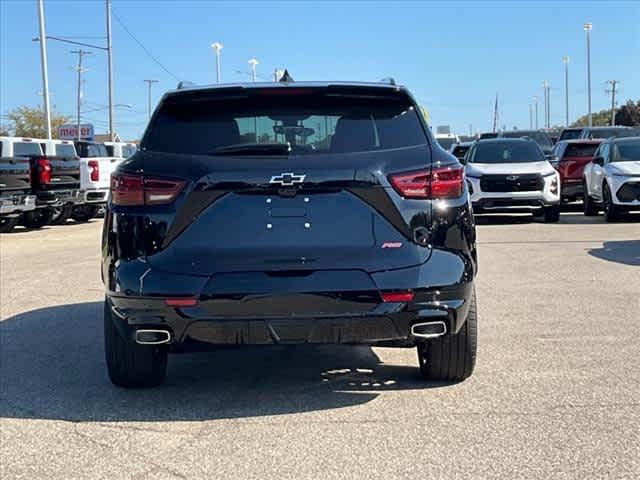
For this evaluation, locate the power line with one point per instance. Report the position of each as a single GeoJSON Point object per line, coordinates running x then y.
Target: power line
{"type": "Point", "coordinates": [142, 46]}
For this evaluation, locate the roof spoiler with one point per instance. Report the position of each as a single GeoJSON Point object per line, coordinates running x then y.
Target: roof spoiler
{"type": "Point", "coordinates": [388, 80]}
{"type": "Point", "coordinates": [185, 84]}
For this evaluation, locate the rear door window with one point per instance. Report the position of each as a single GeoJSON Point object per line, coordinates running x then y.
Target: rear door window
{"type": "Point", "coordinates": [25, 149]}
{"type": "Point", "coordinates": [311, 123]}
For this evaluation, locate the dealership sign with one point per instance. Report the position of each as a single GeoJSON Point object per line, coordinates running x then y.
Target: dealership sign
{"type": "Point", "coordinates": [70, 131]}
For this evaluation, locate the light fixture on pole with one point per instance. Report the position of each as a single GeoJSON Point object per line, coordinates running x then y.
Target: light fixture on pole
{"type": "Point", "coordinates": [566, 61]}
{"type": "Point", "coordinates": [149, 83]}
{"type": "Point", "coordinates": [217, 46]}
{"type": "Point", "coordinates": [587, 29]}
{"type": "Point", "coordinates": [252, 64]}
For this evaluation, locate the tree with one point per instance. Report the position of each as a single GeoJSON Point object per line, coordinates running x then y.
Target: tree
{"type": "Point", "coordinates": [599, 119]}
{"type": "Point", "coordinates": [629, 114]}
{"type": "Point", "coordinates": [29, 122]}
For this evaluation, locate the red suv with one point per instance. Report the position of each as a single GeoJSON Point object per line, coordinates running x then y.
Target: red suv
{"type": "Point", "coordinates": [569, 157]}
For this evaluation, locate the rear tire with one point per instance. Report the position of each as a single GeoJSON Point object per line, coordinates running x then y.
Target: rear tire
{"type": "Point", "coordinates": [7, 224]}
{"type": "Point", "coordinates": [84, 213]}
{"type": "Point", "coordinates": [61, 215]}
{"type": "Point", "coordinates": [451, 357]}
{"type": "Point", "coordinates": [552, 214]}
{"type": "Point", "coordinates": [131, 365]}
{"type": "Point", "coordinates": [589, 207]}
{"type": "Point", "coordinates": [611, 211]}
{"type": "Point", "coordinates": [37, 218]}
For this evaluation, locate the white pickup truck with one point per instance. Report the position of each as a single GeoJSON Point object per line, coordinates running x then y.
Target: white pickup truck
{"type": "Point", "coordinates": [96, 166]}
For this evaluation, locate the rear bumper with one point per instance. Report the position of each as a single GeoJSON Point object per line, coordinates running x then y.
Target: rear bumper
{"type": "Point", "coordinates": [14, 205]}
{"type": "Point", "coordinates": [571, 190]}
{"type": "Point", "coordinates": [99, 195]}
{"type": "Point", "coordinates": [442, 290]}
{"type": "Point", "coordinates": [58, 198]}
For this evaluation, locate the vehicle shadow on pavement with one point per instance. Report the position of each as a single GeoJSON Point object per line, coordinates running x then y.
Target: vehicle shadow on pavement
{"type": "Point", "coordinates": [52, 367]}
{"type": "Point", "coordinates": [623, 251]}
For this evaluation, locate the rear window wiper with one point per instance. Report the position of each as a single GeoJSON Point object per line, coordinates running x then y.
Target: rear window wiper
{"type": "Point", "coordinates": [253, 149]}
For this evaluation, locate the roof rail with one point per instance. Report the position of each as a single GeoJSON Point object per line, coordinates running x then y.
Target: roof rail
{"type": "Point", "coordinates": [388, 80]}
{"type": "Point", "coordinates": [185, 84]}
{"type": "Point", "coordinates": [286, 77]}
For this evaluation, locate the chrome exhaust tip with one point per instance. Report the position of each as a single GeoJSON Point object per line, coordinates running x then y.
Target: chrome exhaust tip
{"type": "Point", "coordinates": [152, 337]}
{"type": "Point", "coordinates": [428, 329]}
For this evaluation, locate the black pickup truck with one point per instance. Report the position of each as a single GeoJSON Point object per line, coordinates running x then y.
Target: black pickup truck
{"type": "Point", "coordinates": [55, 180]}
{"type": "Point", "coordinates": [15, 191]}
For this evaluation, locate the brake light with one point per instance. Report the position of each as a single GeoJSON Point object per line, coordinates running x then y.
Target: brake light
{"type": "Point", "coordinates": [44, 170]}
{"type": "Point", "coordinates": [132, 190]}
{"type": "Point", "coordinates": [95, 170]}
{"type": "Point", "coordinates": [389, 297]}
{"type": "Point", "coordinates": [439, 183]}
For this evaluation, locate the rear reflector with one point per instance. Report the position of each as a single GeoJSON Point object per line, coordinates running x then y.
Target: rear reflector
{"type": "Point", "coordinates": [437, 183]}
{"type": "Point", "coordinates": [181, 302]}
{"type": "Point", "coordinates": [397, 296]}
{"type": "Point", "coordinates": [136, 190]}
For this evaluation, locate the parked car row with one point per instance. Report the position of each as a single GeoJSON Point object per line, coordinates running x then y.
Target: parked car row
{"type": "Point", "coordinates": [505, 173]}
{"type": "Point", "coordinates": [50, 181]}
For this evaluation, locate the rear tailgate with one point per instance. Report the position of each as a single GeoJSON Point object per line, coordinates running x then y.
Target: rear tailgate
{"type": "Point", "coordinates": [95, 173]}
{"type": "Point", "coordinates": [65, 173]}
{"type": "Point", "coordinates": [14, 175]}
{"type": "Point", "coordinates": [574, 159]}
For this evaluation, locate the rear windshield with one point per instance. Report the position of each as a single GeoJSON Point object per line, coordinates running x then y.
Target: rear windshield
{"type": "Point", "coordinates": [309, 123]}
{"type": "Point", "coordinates": [540, 138]}
{"type": "Point", "coordinates": [570, 134]}
{"type": "Point", "coordinates": [626, 152]}
{"type": "Point", "coordinates": [608, 132]}
{"type": "Point", "coordinates": [446, 142]}
{"type": "Point", "coordinates": [507, 152]}
{"type": "Point", "coordinates": [65, 150]}
{"type": "Point", "coordinates": [92, 150]}
{"type": "Point", "coordinates": [580, 150]}
{"type": "Point", "coordinates": [25, 149]}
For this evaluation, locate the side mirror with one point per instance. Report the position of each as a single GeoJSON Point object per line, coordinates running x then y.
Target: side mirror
{"type": "Point", "coordinates": [598, 161]}
{"type": "Point", "coordinates": [463, 160]}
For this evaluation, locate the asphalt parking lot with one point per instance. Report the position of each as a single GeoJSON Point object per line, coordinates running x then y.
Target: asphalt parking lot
{"type": "Point", "coordinates": [556, 392]}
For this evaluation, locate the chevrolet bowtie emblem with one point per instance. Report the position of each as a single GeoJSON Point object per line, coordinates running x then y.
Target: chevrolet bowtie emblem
{"type": "Point", "coordinates": [287, 179]}
{"type": "Point", "coordinates": [512, 177]}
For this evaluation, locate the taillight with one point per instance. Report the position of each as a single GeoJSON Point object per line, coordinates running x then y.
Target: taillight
{"type": "Point", "coordinates": [95, 170]}
{"type": "Point", "coordinates": [133, 190]}
{"type": "Point", "coordinates": [438, 183]}
{"type": "Point", "coordinates": [390, 297]}
{"type": "Point", "coordinates": [44, 170]}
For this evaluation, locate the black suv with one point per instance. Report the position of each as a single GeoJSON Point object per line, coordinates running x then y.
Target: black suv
{"type": "Point", "coordinates": [288, 213]}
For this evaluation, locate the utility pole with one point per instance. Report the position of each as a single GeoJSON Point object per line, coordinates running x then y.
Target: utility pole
{"type": "Point", "coordinates": [149, 83]}
{"type": "Point", "coordinates": [566, 60]}
{"type": "Point", "coordinates": [217, 47]}
{"type": "Point", "coordinates": [535, 101]}
{"type": "Point", "coordinates": [110, 68]}
{"type": "Point", "coordinates": [547, 115]}
{"type": "Point", "coordinates": [614, 84]}
{"type": "Point", "coordinates": [252, 64]}
{"type": "Point", "coordinates": [80, 53]}
{"type": "Point", "coordinates": [587, 29]}
{"type": "Point", "coordinates": [495, 114]}
{"type": "Point", "coordinates": [45, 72]}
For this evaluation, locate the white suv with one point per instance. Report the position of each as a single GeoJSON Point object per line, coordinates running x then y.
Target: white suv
{"type": "Point", "coordinates": [511, 175]}
{"type": "Point", "coordinates": [612, 179]}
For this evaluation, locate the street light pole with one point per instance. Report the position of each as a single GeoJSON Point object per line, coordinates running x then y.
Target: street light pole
{"type": "Point", "coordinates": [149, 83]}
{"type": "Point", "coordinates": [217, 47]}
{"type": "Point", "coordinates": [80, 53]}
{"type": "Point", "coordinates": [587, 28]}
{"type": "Point", "coordinates": [110, 68]}
{"type": "Point", "coordinates": [530, 116]}
{"type": "Point", "coordinates": [535, 101]}
{"type": "Point", "coordinates": [45, 72]}
{"type": "Point", "coordinates": [252, 63]}
{"type": "Point", "coordinates": [547, 117]}
{"type": "Point", "coordinates": [566, 60]}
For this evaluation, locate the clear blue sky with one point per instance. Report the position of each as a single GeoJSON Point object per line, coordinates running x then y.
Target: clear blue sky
{"type": "Point", "coordinates": [453, 56]}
